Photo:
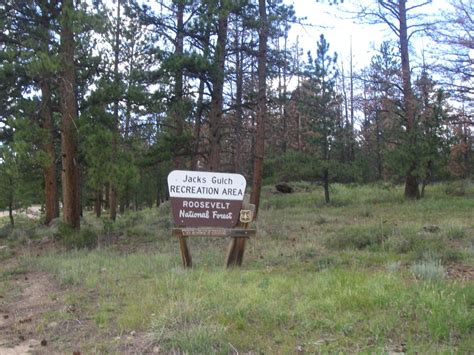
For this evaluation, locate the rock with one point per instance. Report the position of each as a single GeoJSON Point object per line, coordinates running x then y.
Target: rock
{"type": "Point", "coordinates": [283, 187]}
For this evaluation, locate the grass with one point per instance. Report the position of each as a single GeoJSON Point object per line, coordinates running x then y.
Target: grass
{"type": "Point", "coordinates": [266, 310]}
{"type": "Point", "coordinates": [366, 273]}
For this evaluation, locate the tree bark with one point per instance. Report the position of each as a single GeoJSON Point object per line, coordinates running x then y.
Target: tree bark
{"type": "Point", "coordinates": [411, 181]}
{"type": "Point", "coordinates": [113, 202]}
{"type": "Point", "coordinates": [352, 137]}
{"type": "Point", "coordinates": [215, 116]}
{"type": "Point", "coordinates": [198, 124]}
{"type": "Point", "coordinates": [49, 171]}
{"type": "Point", "coordinates": [239, 114]}
{"type": "Point", "coordinates": [46, 123]}
{"type": "Point", "coordinates": [10, 213]}
{"type": "Point", "coordinates": [158, 186]}
{"type": "Point", "coordinates": [200, 103]}
{"type": "Point", "coordinates": [261, 107]}
{"type": "Point", "coordinates": [177, 106]}
{"type": "Point", "coordinates": [68, 107]}
{"type": "Point", "coordinates": [326, 185]}
{"type": "Point", "coordinates": [98, 203]}
{"type": "Point", "coordinates": [113, 187]}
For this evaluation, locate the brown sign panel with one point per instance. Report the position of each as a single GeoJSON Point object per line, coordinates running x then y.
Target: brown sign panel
{"type": "Point", "coordinates": [205, 212]}
{"type": "Point", "coordinates": [205, 199]}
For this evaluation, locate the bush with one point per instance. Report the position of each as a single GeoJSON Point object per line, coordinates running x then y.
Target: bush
{"type": "Point", "coordinates": [429, 270]}
{"type": "Point", "coordinates": [20, 233]}
{"type": "Point", "coordinates": [5, 231]}
{"type": "Point", "coordinates": [357, 237]}
{"type": "Point", "coordinates": [72, 239]}
{"type": "Point", "coordinates": [459, 188]}
{"type": "Point", "coordinates": [293, 165]}
{"type": "Point", "coordinates": [403, 242]}
{"type": "Point", "coordinates": [455, 233]}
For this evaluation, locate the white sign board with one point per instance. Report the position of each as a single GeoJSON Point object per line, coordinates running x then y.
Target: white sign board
{"type": "Point", "coordinates": [206, 198]}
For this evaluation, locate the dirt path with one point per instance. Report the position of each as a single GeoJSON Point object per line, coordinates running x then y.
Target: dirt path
{"type": "Point", "coordinates": [22, 328]}
{"type": "Point", "coordinates": [36, 318]}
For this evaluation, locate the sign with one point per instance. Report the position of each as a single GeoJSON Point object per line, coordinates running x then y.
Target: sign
{"type": "Point", "coordinates": [206, 199]}
{"type": "Point", "coordinates": [246, 216]}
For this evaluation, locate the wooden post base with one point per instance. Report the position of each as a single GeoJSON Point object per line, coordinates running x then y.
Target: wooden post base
{"type": "Point", "coordinates": [185, 254]}
{"type": "Point", "coordinates": [235, 254]}
{"type": "Point", "coordinates": [238, 238]}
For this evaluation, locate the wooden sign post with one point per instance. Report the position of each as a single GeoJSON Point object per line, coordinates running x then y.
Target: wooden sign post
{"type": "Point", "coordinates": [210, 204]}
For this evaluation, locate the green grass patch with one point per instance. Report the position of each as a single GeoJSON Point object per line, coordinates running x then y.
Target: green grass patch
{"type": "Point", "coordinates": [212, 310]}
{"type": "Point", "coordinates": [365, 273]}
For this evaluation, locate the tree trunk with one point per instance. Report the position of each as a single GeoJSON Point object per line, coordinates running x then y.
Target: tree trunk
{"type": "Point", "coordinates": [107, 195]}
{"type": "Point", "coordinates": [285, 101]}
{"type": "Point", "coordinates": [46, 123]}
{"type": "Point", "coordinates": [49, 171]}
{"type": "Point", "coordinates": [158, 188]}
{"type": "Point", "coordinates": [200, 104]}
{"type": "Point", "coordinates": [197, 125]}
{"type": "Point", "coordinates": [327, 159]}
{"type": "Point", "coordinates": [98, 203]}
{"type": "Point", "coordinates": [67, 84]}
{"type": "Point", "coordinates": [127, 198]}
{"type": "Point", "coordinates": [378, 145]}
{"type": "Point", "coordinates": [215, 116]}
{"type": "Point", "coordinates": [177, 111]}
{"type": "Point", "coordinates": [239, 114]}
{"type": "Point", "coordinates": [427, 178]}
{"type": "Point", "coordinates": [113, 202]}
{"type": "Point", "coordinates": [261, 107]}
{"type": "Point", "coordinates": [113, 187]}
{"type": "Point", "coordinates": [411, 182]}
{"type": "Point", "coordinates": [352, 137]}
{"type": "Point", "coordinates": [79, 189]}
{"type": "Point", "coordinates": [10, 213]}
{"type": "Point", "coordinates": [326, 185]}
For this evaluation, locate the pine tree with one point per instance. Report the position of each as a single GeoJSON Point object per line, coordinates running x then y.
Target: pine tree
{"type": "Point", "coordinates": [319, 103]}
{"type": "Point", "coordinates": [68, 107]}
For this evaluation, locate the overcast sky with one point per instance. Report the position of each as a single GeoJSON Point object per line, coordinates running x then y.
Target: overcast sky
{"type": "Point", "coordinates": [335, 23]}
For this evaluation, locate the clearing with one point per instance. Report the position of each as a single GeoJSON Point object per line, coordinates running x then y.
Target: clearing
{"type": "Point", "coordinates": [370, 272]}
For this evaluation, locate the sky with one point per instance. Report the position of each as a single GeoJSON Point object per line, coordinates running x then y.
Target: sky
{"type": "Point", "coordinates": [335, 23]}
{"type": "Point", "coordinates": [339, 32]}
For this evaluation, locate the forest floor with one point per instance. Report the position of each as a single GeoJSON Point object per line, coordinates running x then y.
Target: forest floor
{"type": "Point", "coordinates": [369, 272]}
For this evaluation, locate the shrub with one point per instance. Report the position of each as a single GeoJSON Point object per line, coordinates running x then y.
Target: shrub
{"type": "Point", "coordinates": [456, 232]}
{"type": "Point", "coordinates": [429, 270]}
{"type": "Point", "coordinates": [72, 239]}
{"type": "Point", "coordinates": [403, 243]}
{"type": "Point", "coordinates": [459, 188]}
{"type": "Point", "coordinates": [357, 237]}
{"type": "Point", "coordinates": [5, 231]}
